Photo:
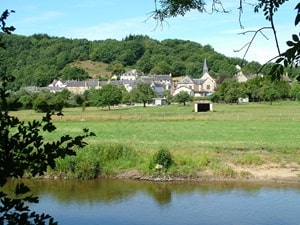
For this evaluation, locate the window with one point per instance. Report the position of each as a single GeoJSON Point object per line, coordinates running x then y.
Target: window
{"type": "Point", "coordinates": [208, 87]}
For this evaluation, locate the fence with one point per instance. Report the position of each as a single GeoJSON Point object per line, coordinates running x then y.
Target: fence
{"type": "Point", "coordinates": [209, 116]}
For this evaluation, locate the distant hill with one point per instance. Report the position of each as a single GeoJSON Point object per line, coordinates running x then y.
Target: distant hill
{"type": "Point", "coordinates": [38, 59]}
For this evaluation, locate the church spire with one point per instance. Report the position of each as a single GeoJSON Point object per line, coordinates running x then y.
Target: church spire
{"type": "Point", "coordinates": [205, 68]}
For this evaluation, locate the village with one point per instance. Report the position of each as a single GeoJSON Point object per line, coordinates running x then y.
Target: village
{"type": "Point", "coordinates": [196, 87]}
{"type": "Point", "coordinates": [164, 85]}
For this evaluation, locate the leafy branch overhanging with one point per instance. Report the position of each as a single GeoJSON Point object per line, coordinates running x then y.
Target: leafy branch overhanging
{"type": "Point", "coordinates": [23, 149]}
{"type": "Point", "coordinates": [165, 9]}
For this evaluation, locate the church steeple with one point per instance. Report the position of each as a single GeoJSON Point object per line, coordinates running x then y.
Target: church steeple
{"type": "Point", "coordinates": [205, 68]}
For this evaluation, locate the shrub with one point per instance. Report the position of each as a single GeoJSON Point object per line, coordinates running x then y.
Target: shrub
{"type": "Point", "coordinates": [41, 105]}
{"type": "Point", "coordinates": [162, 157]}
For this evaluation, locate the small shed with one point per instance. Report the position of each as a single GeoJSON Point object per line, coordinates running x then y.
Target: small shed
{"type": "Point", "coordinates": [160, 101]}
{"type": "Point", "coordinates": [203, 107]}
{"type": "Point", "coordinates": [243, 100]}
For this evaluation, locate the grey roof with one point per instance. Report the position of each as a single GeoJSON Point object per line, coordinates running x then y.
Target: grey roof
{"type": "Point", "coordinates": [75, 83]}
{"type": "Point", "coordinates": [115, 82]}
{"type": "Point", "coordinates": [101, 83]}
{"type": "Point", "coordinates": [147, 79]}
{"type": "Point", "coordinates": [162, 77]}
{"type": "Point", "coordinates": [186, 80]}
{"type": "Point", "coordinates": [92, 83]}
{"type": "Point", "coordinates": [199, 81]}
{"type": "Point", "coordinates": [130, 82]}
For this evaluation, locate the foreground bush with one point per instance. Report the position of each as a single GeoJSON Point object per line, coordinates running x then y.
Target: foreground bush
{"type": "Point", "coordinates": [162, 157]}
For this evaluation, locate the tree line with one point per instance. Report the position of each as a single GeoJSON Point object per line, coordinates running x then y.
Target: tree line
{"type": "Point", "coordinates": [38, 59]}
{"type": "Point", "coordinates": [109, 95]}
{"type": "Point", "coordinates": [259, 88]}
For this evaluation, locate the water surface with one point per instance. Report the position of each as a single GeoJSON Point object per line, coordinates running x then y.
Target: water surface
{"type": "Point", "coordinates": [116, 202]}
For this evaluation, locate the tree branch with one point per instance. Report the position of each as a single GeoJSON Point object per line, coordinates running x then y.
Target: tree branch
{"type": "Point", "coordinates": [248, 45]}
{"type": "Point", "coordinates": [169, 9]}
{"type": "Point", "coordinates": [274, 30]}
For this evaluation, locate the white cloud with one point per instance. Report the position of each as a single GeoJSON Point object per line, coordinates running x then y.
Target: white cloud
{"type": "Point", "coordinates": [46, 16]}
{"type": "Point", "coordinates": [116, 30]}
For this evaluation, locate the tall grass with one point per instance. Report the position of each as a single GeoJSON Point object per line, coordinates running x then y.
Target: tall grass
{"type": "Point", "coordinates": [249, 159]}
{"type": "Point", "coordinates": [96, 160]}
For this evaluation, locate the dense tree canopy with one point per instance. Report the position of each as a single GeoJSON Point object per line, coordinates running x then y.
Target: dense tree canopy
{"type": "Point", "coordinates": [142, 93]}
{"type": "Point", "coordinates": [183, 97]}
{"type": "Point", "coordinates": [256, 89]}
{"type": "Point", "coordinates": [109, 95]}
{"type": "Point", "coordinates": [74, 73]}
{"type": "Point", "coordinates": [38, 59]}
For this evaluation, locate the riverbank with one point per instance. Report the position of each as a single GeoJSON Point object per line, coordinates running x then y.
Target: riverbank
{"type": "Point", "coordinates": [269, 172]}
{"type": "Point", "coordinates": [123, 162]}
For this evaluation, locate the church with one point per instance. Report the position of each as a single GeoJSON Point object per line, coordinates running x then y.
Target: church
{"type": "Point", "coordinates": [199, 87]}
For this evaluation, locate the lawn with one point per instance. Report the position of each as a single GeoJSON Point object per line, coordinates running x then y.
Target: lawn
{"type": "Point", "coordinates": [231, 134]}
{"type": "Point", "coordinates": [191, 134]}
{"type": "Point", "coordinates": [228, 127]}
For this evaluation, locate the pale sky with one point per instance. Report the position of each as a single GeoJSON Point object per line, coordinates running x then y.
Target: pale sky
{"type": "Point", "coordinates": [116, 19]}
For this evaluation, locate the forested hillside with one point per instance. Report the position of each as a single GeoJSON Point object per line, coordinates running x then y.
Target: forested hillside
{"type": "Point", "coordinates": [38, 59]}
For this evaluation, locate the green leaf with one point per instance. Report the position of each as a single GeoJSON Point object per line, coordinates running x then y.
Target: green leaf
{"type": "Point", "coordinates": [290, 43]}
{"type": "Point", "coordinates": [290, 53]}
{"type": "Point", "coordinates": [279, 60]}
{"type": "Point", "coordinates": [295, 38]}
{"type": "Point", "coordinates": [297, 20]}
{"type": "Point", "coordinates": [276, 71]}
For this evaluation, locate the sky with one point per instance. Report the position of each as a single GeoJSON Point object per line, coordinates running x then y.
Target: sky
{"type": "Point", "coordinates": [116, 19]}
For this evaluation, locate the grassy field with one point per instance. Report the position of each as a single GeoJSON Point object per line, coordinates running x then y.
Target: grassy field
{"type": "Point", "coordinates": [258, 132]}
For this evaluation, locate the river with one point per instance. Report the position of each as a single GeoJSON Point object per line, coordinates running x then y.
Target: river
{"type": "Point", "coordinates": [126, 202]}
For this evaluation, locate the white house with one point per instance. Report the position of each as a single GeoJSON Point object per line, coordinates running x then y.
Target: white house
{"type": "Point", "coordinates": [190, 91]}
{"type": "Point", "coordinates": [58, 84]}
{"type": "Point", "coordinates": [186, 84]}
{"type": "Point", "coordinates": [130, 75]}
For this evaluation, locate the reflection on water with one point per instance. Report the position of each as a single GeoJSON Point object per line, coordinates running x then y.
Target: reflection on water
{"type": "Point", "coordinates": [135, 202]}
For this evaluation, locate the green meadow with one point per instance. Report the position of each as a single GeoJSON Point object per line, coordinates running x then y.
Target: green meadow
{"type": "Point", "coordinates": [252, 133]}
